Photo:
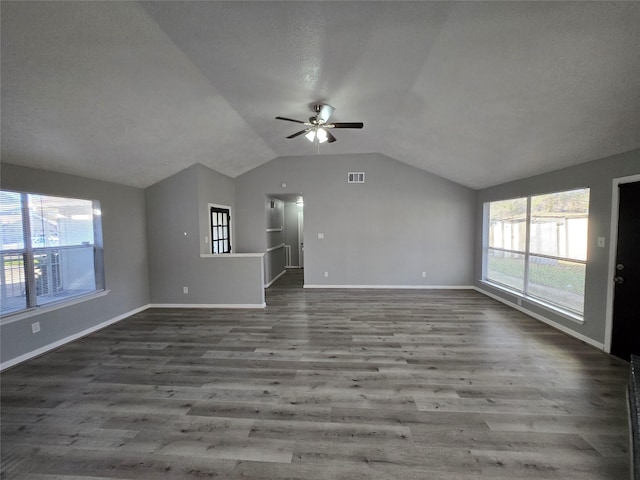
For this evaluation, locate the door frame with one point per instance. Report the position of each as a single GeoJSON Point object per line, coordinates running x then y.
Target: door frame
{"type": "Point", "coordinates": [209, 242]}
{"type": "Point", "coordinates": [613, 250]}
{"type": "Point", "coordinates": [301, 239]}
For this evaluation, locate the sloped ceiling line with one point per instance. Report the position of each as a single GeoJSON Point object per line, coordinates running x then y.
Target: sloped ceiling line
{"type": "Point", "coordinates": [480, 93]}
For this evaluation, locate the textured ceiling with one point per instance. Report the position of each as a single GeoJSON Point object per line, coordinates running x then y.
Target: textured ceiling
{"type": "Point", "coordinates": [477, 92]}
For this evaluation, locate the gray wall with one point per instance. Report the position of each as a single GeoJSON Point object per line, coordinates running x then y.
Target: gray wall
{"type": "Point", "coordinates": [125, 259]}
{"type": "Point", "coordinates": [177, 222]}
{"type": "Point", "coordinates": [401, 222]}
{"type": "Point", "coordinates": [291, 231]}
{"type": "Point", "coordinates": [598, 176]}
{"type": "Point", "coordinates": [212, 187]}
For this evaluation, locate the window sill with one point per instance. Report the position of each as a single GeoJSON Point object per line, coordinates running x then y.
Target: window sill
{"type": "Point", "coordinates": [32, 312]}
{"type": "Point", "coordinates": [573, 317]}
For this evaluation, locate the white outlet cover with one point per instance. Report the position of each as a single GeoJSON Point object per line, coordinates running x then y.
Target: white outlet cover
{"type": "Point", "coordinates": [601, 242]}
{"type": "Point", "coordinates": [35, 327]}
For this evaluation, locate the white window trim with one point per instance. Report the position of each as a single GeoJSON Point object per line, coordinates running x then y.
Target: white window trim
{"type": "Point", "coordinates": [231, 227]}
{"type": "Point", "coordinates": [99, 272]}
{"type": "Point", "coordinates": [561, 312]}
{"type": "Point", "coordinates": [557, 309]}
{"type": "Point", "coordinates": [50, 307]}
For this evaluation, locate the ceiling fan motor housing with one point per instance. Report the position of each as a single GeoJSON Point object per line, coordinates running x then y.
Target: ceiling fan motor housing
{"type": "Point", "coordinates": [323, 112]}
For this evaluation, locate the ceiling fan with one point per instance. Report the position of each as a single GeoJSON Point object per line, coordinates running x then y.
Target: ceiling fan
{"type": "Point", "coordinates": [318, 126]}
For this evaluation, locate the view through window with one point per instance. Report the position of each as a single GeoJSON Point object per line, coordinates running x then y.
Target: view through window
{"type": "Point", "coordinates": [49, 249]}
{"type": "Point", "coordinates": [537, 246]}
{"type": "Point", "coordinates": [220, 230]}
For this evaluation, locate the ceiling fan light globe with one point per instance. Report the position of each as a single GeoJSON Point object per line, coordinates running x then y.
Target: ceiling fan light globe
{"type": "Point", "coordinates": [321, 135]}
{"type": "Point", "coordinates": [311, 135]}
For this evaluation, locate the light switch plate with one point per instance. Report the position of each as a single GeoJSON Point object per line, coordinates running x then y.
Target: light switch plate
{"type": "Point", "coordinates": [601, 242]}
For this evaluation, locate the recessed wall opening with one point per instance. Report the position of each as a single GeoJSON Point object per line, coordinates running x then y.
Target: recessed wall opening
{"type": "Point", "coordinates": [285, 234]}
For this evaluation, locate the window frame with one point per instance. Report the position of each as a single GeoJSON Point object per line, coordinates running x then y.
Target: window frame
{"type": "Point", "coordinates": [226, 241]}
{"type": "Point", "coordinates": [525, 292]}
{"type": "Point", "coordinates": [33, 302]}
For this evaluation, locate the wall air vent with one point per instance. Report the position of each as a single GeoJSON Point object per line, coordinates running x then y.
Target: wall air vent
{"type": "Point", "coordinates": [355, 177]}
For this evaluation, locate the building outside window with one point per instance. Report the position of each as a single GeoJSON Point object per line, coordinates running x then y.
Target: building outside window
{"type": "Point", "coordinates": [537, 247]}
{"type": "Point", "coordinates": [50, 250]}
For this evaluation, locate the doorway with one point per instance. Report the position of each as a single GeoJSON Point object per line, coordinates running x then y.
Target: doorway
{"type": "Point", "coordinates": [301, 238]}
{"type": "Point", "coordinates": [625, 270]}
{"type": "Point", "coordinates": [292, 232]}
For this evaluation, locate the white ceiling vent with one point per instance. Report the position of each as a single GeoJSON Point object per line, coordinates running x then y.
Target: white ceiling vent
{"type": "Point", "coordinates": [355, 177]}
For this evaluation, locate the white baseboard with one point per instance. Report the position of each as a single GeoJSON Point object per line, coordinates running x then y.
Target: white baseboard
{"type": "Point", "coordinates": [207, 305]}
{"type": "Point", "coordinates": [275, 279]}
{"type": "Point", "coordinates": [397, 287]}
{"type": "Point", "coordinates": [70, 338]}
{"type": "Point", "coordinates": [543, 319]}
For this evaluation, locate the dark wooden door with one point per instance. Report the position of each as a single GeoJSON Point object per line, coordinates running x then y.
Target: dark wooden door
{"type": "Point", "coordinates": [625, 338]}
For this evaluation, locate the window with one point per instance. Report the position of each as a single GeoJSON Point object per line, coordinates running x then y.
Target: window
{"type": "Point", "coordinates": [50, 249]}
{"type": "Point", "coordinates": [220, 229]}
{"type": "Point", "coordinates": [537, 246]}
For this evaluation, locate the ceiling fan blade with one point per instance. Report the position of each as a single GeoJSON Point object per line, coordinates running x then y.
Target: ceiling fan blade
{"type": "Point", "coordinates": [298, 133]}
{"type": "Point", "coordinates": [324, 113]}
{"type": "Point", "coordinates": [347, 125]}
{"type": "Point", "coordinates": [330, 137]}
{"type": "Point", "coordinates": [290, 119]}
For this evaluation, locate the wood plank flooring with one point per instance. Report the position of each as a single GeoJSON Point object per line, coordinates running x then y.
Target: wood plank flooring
{"type": "Point", "coordinates": [322, 384]}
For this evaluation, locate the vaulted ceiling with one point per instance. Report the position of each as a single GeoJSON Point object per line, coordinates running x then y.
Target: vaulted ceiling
{"type": "Point", "coordinates": [477, 92]}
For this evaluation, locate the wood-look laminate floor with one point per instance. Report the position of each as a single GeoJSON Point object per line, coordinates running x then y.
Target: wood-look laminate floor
{"type": "Point", "coordinates": [322, 384]}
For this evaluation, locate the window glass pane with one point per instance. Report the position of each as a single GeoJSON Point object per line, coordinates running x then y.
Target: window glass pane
{"type": "Point", "coordinates": [13, 296]}
{"type": "Point", "coordinates": [506, 268]}
{"type": "Point", "coordinates": [559, 224]}
{"type": "Point", "coordinates": [49, 255]}
{"type": "Point", "coordinates": [11, 221]}
{"type": "Point", "coordinates": [559, 282]}
{"type": "Point", "coordinates": [507, 224]}
{"type": "Point", "coordinates": [14, 287]}
{"type": "Point", "coordinates": [220, 230]}
{"type": "Point", "coordinates": [63, 273]}
{"type": "Point", "coordinates": [555, 256]}
{"type": "Point", "coordinates": [58, 221]}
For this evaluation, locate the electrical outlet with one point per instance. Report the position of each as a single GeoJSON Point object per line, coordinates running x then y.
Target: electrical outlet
{"type": "Point", "coordinates": [326, 274]}
{"type": "Point", "coordinates": [424, 274]}
{"type": "Point", "coordinates": [519, 301]}
{"type": "Point", "coordinates": [35, 327]}
{"type": "Point", "coordinates": [185, 289]}
{"type": "Point", "coordinates": [321, 236]}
